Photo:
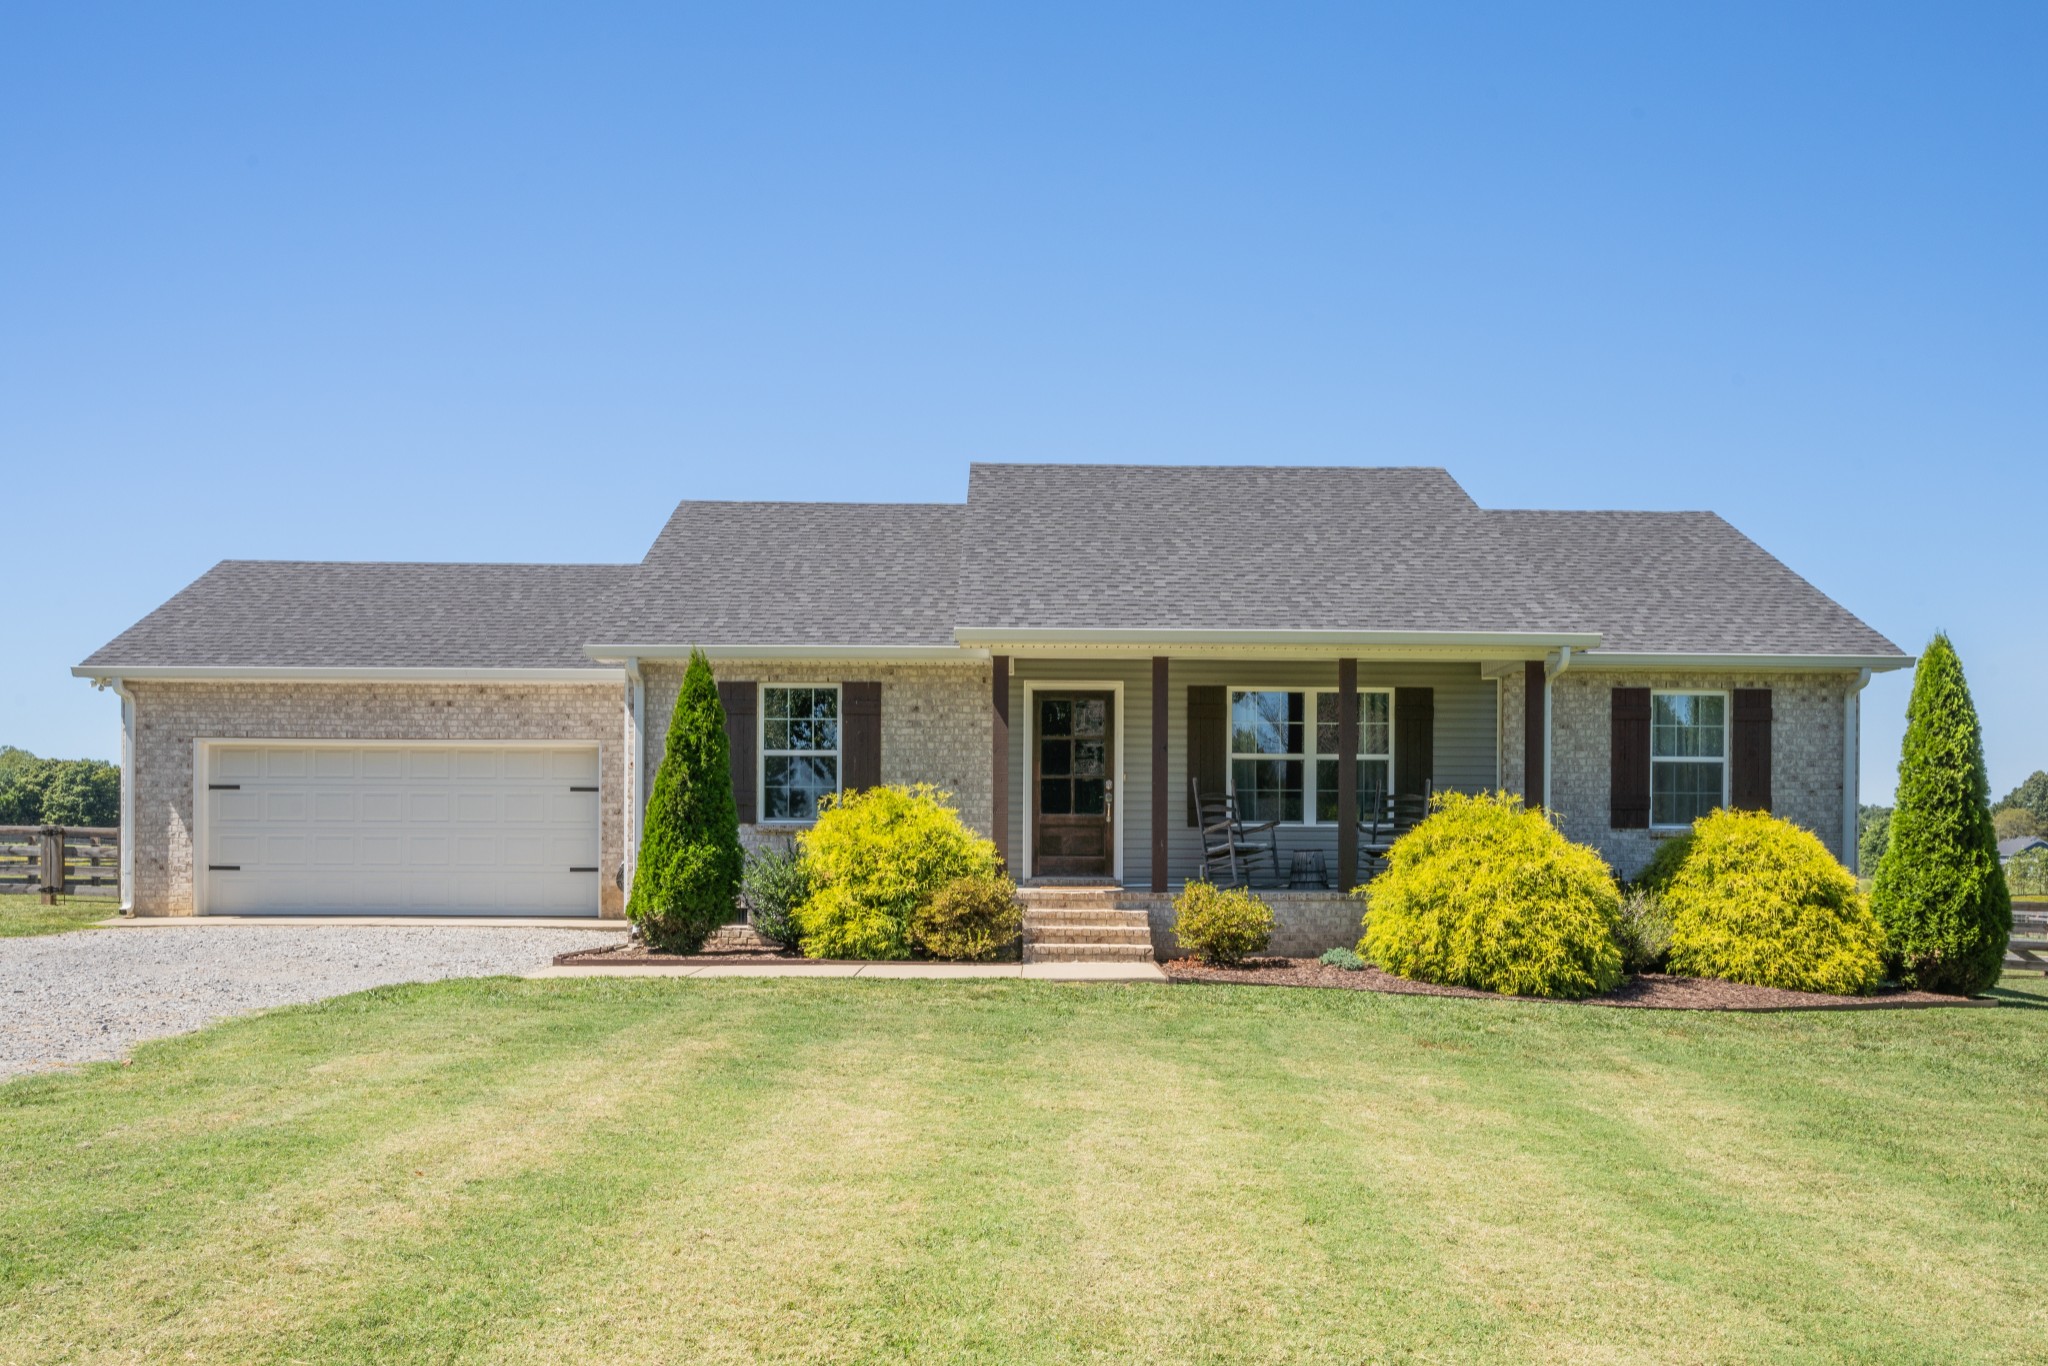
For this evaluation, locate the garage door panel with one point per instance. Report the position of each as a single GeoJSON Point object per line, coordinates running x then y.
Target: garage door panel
{"type": "Point", "coordinates": [401, 829]}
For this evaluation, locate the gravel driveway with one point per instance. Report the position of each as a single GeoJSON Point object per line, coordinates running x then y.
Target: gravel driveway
{"type": "Point", "coordinates": [93, 994]}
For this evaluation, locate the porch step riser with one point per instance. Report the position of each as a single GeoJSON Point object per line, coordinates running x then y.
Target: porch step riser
{"type": "Point", "coordinates": [1087, 953]}
{"type": "Point", "coordinates": [1053, 901]}
{"type": "Point", "coordinates": [1093, 934]}
{"type": "Point", "coordinates": [1076, 915]}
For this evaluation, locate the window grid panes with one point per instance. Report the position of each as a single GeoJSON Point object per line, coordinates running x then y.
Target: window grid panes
{"type": "Point", "coordinates": [1283, 767]}
{"type": "Point", "coordinates": [1688, 756]}
{"type": "Point", "coordinates": [799, 751]}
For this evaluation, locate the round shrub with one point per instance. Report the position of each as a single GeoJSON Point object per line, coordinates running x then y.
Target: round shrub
{"type": "Point", "coordinates": [1665, 861]}
{"type": "Point", "coordinates": [970, 919]}
{"type": "Point", "coordinates": [1761, 901]}
{"type": "Point", "coordinates": [876, 856]}
{"type": "Point", "coordinates": [1486, 893]}
{"type": "Point", "coordinates": [773, 884]}
{"type": "Point", "coordinates": [1222, 928]}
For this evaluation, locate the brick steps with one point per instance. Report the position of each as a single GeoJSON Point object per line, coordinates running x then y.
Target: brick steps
{"type": "Point", "coordinates": [1083, 925]}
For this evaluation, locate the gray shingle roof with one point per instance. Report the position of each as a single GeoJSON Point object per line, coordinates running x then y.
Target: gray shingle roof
{"type": "Point", "coordinates": [1239, 548]}
{"type": "Point", "coordinates": [312, 614]}
{"type": "Point", "coordinates": [794, 574]}
{"type": "Point", "coordinates": [2019, 844]}
{"type": "Point", "coordinates": [1684, 582]}
{"type": "Point", "coordinates": [1036, 547]}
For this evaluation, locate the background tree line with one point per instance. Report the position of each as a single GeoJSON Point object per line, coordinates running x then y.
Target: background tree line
{"type": "Point", "coordinates": [37, 791]}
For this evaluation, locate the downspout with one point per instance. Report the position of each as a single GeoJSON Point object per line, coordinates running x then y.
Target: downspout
{"type": "Point", "coordinates": [1552, 667]}
{"type": "Point", "coordinates": [1852, 772]}
{"type": "Point", "coordinates": [115, 686]}
{"type": "Point", "coordinates": [636, 770]}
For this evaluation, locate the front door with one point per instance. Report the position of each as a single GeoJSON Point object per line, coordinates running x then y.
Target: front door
{"type": "Point", "coordinates": [1074, 801]}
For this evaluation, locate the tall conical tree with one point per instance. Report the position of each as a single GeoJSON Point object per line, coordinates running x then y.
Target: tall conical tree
{"type": "Point", "coordinates": [688, 876]}
{"type": "Point", "coordinates": [1940, 893]}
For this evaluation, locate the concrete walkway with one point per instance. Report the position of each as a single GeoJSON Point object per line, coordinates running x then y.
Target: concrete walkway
{"type": "Point", "coordinates": [1037, 972]}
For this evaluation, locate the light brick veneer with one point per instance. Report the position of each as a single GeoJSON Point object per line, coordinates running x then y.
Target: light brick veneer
{"type": "Point", "coordinates": [935, 723]}
{"type": "Point", "coordinates": [170, 716]}
{"type": "Point", "coordinates": [1806, 751]}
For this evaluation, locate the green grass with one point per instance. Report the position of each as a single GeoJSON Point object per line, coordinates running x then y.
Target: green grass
{"type": "Point", "coordinates": [20, 915]}
{"type": "Point", "coordinates": [657, 1171]}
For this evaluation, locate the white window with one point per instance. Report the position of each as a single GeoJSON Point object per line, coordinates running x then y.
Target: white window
{"type": "Point", "coordinates": [799, 750]}
{"type": "Point", "coordinates": [1283, 767]}
{"type": "Point", "coordinates": [1688, 756]}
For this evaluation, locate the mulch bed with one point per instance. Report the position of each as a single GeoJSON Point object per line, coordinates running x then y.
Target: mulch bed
{"type": "Point", "coordinates": [1650, 991]}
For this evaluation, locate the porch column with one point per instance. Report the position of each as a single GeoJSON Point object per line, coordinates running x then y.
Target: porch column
{"type": "Point", "coordinates": [1535, 686]}
{"type": "Point", "coordinates": [1347, 774]}
{"type": "Point", "coordinates": [1161, 803]}
{"type": "Point", "coordinates": [999, 757]}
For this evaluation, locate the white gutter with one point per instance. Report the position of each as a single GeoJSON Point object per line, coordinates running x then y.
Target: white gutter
{"type": "Point", "coordinates": [1852, 770]}
{"type": "Point", "coordinates": [1602, 659]}
{"type": "Point", "coordinates": [636, 765]}
{"type": "Point", "coordinates": [1552, 667]}
{"type": "Point", "coordinates": [127, 816]}
{"type": "Point", "coordinates": [1509, 640]}
{"type": "Point", "coordinates": [205, 673]}
{"type": "Point", "coordinates": [877, 653]}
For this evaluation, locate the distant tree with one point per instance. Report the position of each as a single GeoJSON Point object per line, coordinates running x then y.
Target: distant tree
{"type": "Point", "coordinates": [59, 792]}
{"type": "Point", "coordinates": [2028, 873]}
{"type": "Point", "coordinates": [12, 760]}
{"type": "Point", "coordinates": [687, 881]}
{"type": "Point", "coordinates": [2031, 795]}
{"type": "Point", "coordinates": [2015, 822]}
{"type": "Point", "coordinates": [1940, 893]}
{"type": "Point", "coordinates": [1873, 833]}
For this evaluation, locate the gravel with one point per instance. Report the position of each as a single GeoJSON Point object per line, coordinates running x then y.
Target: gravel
{"type": "Point", "coordinates": [91, 995]}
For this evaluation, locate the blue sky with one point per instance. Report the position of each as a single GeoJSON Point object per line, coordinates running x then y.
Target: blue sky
{"type": "Point", "coordinates": [500, 282]}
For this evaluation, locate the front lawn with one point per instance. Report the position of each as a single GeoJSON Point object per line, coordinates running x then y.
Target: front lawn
{"type": "Point", "coordinates": [1013, 1171]}
{"type": "Point", "coordinates": [20, 915]}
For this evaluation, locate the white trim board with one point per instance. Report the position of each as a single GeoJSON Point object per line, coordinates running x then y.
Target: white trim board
{"type": "Point", "coordinates": [1029, 805]}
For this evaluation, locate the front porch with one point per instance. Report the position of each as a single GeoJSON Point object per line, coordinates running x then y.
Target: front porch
{"type": "Point", "coordinates": [1110, 923]}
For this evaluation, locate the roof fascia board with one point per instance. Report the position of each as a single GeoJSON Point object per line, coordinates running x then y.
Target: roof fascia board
{"type": "Point", "coordinates": [194, 673]}
{"type": "Point", "coordinates": [1534, 643]}
{"type": "Point", "coordinates": [1773, 662]}
{"type": "Point", "coordinates": [953, 654]}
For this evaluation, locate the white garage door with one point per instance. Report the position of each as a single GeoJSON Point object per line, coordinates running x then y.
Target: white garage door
{"type": "Point", "coordinates": [400, 830]}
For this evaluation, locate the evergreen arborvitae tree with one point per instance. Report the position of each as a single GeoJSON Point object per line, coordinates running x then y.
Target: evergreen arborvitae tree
{"type": "Point", "coordinates": [1940, 893]}
{"type": "Point", "coordinates": [688, 876]}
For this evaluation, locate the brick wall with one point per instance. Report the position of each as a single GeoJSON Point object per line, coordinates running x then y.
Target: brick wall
{"type": "Point", "coordinates": [935, 723]}
{"type": "Point", "coordinates": [1806, 751]}
{"type": "Point", "coordinates": [170, 716]}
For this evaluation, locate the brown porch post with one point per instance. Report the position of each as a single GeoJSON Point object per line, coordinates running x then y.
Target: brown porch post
{"type": "Point", "coordinates": [1533, 683]}
{"type": "Point", "coordinates": [1161, 695]}
{"type": "Point", "coordinates": [999, 755]}
{"type": "Point", "coordinates": [1347, 774]}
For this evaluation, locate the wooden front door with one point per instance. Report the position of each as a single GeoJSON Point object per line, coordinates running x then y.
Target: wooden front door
{"type": "Point", "coordinates": [1073, 785]}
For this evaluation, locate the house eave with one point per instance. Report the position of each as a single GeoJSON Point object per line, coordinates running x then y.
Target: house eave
{"type": "Point", "coordinates": [242, 673]}
{"type": "Point", "coordinates": [880, 654]}
{"type": "Point", "coordinates": [1774, 663]}
{"type": "Point", "coordinates": [1413, 645]}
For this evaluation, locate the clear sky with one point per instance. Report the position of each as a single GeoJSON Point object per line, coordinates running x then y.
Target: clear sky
{"type": "Point", "coordinates": [504, 282]}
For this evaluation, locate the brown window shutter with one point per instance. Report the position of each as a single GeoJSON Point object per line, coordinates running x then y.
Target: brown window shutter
{"type": "Point", "coordinates": [1414, 740]}
{"type": "Point", "coordinates": [740, 698]}
{"type": "Point", "coordinates": [1749, 751]}
{"type": "Point", "coordinates": [1208, 743]}
{"type": "Point", "coordinates": [860, 736]}
{"type": "Point", "coordinates": [1628, 773]}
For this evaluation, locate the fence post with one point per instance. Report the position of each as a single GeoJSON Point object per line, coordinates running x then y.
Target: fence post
{"type": "Point", "coordinates": [51, 863]}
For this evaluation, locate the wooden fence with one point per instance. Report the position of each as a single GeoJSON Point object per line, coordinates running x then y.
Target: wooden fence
{"type": "Point", "coordinates": [56, 861]}
{"type": "Point", "coordinates": [2027, 950]}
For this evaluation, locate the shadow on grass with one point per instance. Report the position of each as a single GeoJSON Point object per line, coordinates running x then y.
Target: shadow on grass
{"type": "Point", "coordinates": [2026, 991]}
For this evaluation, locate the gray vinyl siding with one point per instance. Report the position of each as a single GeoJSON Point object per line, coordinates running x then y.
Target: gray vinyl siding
{"type": "Point", "coordinates": [1466, 739]}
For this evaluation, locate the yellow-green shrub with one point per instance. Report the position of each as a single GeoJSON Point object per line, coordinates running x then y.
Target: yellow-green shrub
{"type": "Point", "coordinates": [970, 919]}
{"type": "Point", "coordinates": [1220, 927]}
{"type": "Point", "coordinates": [1761, 901]}
{"type": "Point", "coordinates": [874, 858]}
{"type": "Point", "coordinates": [1486, 893]}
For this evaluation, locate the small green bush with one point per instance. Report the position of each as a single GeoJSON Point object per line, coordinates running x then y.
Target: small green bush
{"type": "Point", "coordinates": [970, 920]}
{"type": "Point", "coordinates": [1762, 901]}
{"type": "Point", "coordinates": [1643, 930]}
{"type": "Point", "coordinates": [1222, 928]}
{"type": "Point", "coordinates": [1486, 893]}
{"type": "Point", "coordinates": [1342, 958]}
{"type": "Point", "coordinates": [1664, 864]}
{"type": "Point", "coordinates": [774, 883]}
{"type": "Point", "coordinates": [876, 856]}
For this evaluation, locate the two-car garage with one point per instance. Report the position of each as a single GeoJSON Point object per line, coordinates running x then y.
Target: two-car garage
{"type": "Point", "coordinates": [302, 827]}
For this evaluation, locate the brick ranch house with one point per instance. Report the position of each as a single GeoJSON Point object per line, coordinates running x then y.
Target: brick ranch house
{"type": "Point", "coordinates": [1063, 652]}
